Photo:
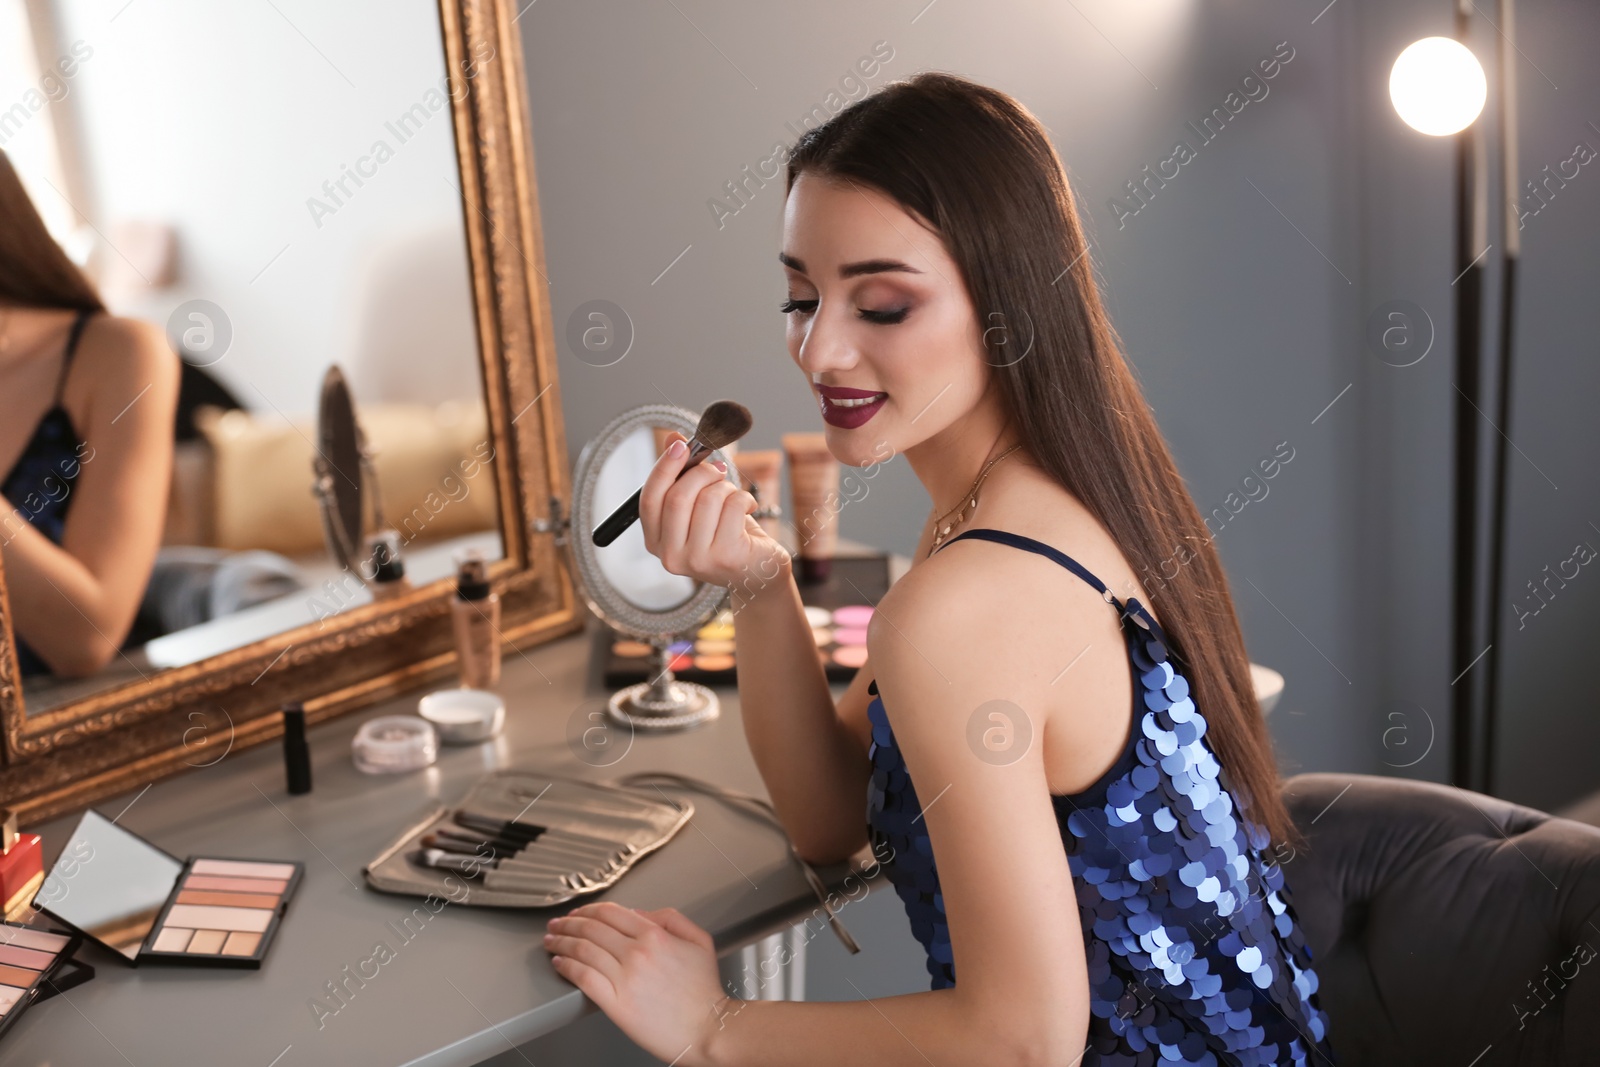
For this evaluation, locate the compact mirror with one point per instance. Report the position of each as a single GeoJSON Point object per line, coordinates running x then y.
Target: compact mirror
{"type": "Point", "coordinates": [114, 886]}
{"type": "Point", "coordinates": [109, 884]}
{"type": "Point", "coordinates": [623, 583]}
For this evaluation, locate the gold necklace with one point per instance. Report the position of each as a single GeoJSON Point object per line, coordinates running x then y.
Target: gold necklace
{"type": "Point", "coordinates": [969, 501]}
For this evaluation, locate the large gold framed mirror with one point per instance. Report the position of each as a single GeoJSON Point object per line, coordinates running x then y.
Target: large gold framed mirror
{"type": "Point", "coordinates": [376, 210]}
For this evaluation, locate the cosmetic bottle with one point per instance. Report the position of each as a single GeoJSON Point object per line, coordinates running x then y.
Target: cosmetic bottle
{"type": "Point", "coordinates": [475, 614]}
{"type": "Point", "coordinates": [21, 866]}
{"type": "Point", "coordinates": [388, 570]}
{"type": "Point", "coordinates": [763, 469]}
{"type": "Point", "coordinates": [814, 486]}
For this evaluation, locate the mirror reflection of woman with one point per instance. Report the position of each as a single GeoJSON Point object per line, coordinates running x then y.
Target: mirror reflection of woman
{"type": "Point", "coordinates": [1107, 887]}
{"type": "Point", "coordinates": [87, 402]}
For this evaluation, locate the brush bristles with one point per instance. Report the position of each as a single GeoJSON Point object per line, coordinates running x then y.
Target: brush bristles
{"type": "Point", "coordinates": [724, 422]}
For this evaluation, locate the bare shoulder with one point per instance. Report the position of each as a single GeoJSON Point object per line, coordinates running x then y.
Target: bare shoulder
{"type": "Point", "coordinates": [982, 609]}
{"type": "Point", "coordinates": [1035, 506]}
{"type": "Point", "coordinates": [995, 607]}
{"type": "Point", "coordinates": [111, 340]}
{"type": "Point", "coordinates": [920, 603]}
{"type": "Point", "coordinates": [126, 357]}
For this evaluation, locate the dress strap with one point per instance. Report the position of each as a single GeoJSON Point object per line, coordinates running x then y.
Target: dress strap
{"type": "Point", "coordinates": [1016, 540]}
{"type": "Point", "coordinates": [72, 346]}
{"type": "Point", "coordinates": [1131, 609]}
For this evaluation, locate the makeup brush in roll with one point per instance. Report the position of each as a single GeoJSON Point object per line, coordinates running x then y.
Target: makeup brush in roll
{"type": "Point", "coordinates": [724, 422]}
{"type": "Point", "coordinates": [543, 847]}
{"type": "Point", "coordinates": [525, 832]}
{"type": "Point", "coordinates": [432, 849]}
{"type": "Point", "coordinates": [446, 841]}
{"type": "Point", "coordinates": [498, 875]}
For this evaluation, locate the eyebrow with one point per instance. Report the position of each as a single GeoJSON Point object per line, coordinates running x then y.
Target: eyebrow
{"type": "Point", "coordinates": [851, 270]}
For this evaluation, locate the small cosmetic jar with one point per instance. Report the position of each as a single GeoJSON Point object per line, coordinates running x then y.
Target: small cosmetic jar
{"type": "Point", "coordinates": [464, 716]}
{"type": "Point", "coordinates": [394, 744]}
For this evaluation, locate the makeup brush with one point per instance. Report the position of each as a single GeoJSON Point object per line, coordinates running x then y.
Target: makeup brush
{"type": "Point", "coordinates": [723, 423]}
{"type": "Point", "coordinates": [450, 843]}
{"type": "Point", "coordinates": [447, 842]}
{"type": "Point", "coordinates": [498, 844]}
{"type": "Point", "coordinates": [496, 876]}
{"type": "Point", "coordinates": [524, 832]}
{"type": "Point", "coordinates": [446, 860]}
{"type": "Point", "coordinates": [434, 850]}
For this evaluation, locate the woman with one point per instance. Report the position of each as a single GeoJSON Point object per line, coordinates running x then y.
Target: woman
{"type": "Point", "coordinates": [941, 302]}
{"type": "Point", "coordinates": [87, 402]}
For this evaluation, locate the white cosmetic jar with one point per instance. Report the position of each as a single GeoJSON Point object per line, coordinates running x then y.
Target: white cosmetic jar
{"type": "Point", "coordinates": [463, 716]}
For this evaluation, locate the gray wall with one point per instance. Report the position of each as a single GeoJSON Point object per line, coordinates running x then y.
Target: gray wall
{"type": "Point", "coordinates": [1241, 289]}
{"type": "Point", "coordinates": [1549, 732]}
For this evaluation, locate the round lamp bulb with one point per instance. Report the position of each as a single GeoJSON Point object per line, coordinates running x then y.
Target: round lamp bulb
{"type": "Point", "coordinates": [1438, 86]}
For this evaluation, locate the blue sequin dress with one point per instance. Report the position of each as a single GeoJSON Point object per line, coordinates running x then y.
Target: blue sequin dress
{"type": "Point", "coordinates": [1194, 954]}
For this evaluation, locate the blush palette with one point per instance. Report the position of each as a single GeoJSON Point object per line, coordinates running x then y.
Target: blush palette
{"type": "Point", "coordinates": [125, 893]}
{"type": "Point", "coordinates": [29, 961]}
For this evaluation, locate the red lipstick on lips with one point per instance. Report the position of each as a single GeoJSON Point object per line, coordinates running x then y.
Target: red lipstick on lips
{"type": "Point", "coordinates": [858, 405]}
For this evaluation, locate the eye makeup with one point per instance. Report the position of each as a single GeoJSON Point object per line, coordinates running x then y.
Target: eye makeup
{"type": "Point", "coordinates": [147, 906]}
{"type": "Point", "coordinates": [30, 962]}
{"type": "Point", "coordinates": [837, 611]}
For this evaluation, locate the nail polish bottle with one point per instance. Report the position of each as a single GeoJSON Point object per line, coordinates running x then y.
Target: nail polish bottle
{"type": "Point", "coordinates": [21, 866]}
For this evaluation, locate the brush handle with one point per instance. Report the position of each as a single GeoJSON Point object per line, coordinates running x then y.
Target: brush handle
{"type": "Point", "coordinates": [618, 521]}
{"type": "Point", "coordinates": [628, 513]}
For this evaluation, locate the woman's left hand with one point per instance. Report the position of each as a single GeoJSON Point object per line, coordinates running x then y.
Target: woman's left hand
{"type": "Point", "coordinates": [654, 974]}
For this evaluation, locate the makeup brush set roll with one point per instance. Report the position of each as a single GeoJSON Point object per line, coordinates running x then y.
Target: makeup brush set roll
{"type": "Point", "coordinates": [520, 839]}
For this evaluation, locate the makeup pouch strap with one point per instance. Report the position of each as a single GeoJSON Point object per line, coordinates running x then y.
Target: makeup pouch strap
{"type": "Point", "coordinates": [763, 810]}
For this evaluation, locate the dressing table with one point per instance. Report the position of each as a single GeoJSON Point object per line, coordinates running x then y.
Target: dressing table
{"type": "Point", "coordinates": [463, 984]}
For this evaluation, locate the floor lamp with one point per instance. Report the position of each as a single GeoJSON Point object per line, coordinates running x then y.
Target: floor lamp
{"type": "Point", "coordinates": [1439, 88]}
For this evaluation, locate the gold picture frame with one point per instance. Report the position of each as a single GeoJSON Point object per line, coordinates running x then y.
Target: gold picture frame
{"type": "Point", "coordinates": [67, 757]}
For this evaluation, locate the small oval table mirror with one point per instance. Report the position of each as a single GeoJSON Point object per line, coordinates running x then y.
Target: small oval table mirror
{"type": "Point", "coordinates": [347, 489]}
{"type": "Point", "coordinates": [625, 585]}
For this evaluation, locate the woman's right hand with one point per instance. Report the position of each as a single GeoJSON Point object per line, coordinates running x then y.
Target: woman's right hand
{"type": "Point", "coordinates": [700, 525]}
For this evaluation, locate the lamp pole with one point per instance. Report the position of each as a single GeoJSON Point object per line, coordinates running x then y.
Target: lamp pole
{"type": "Point", "coordinates": [1511, 251]}
{"type": "Point", "coordinates": [1471, 224]}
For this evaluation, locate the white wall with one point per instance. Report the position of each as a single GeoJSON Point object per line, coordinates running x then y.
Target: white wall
{"type": "Point", "coordinates": [225, 121]}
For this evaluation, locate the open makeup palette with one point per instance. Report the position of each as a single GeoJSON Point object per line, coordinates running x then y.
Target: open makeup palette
{"type": "Point", "coordinates": [118, 889]}
{"type": "Point", "coordinates": [837, 609]}
{"type": "Point", "coordinates": [34, 965]}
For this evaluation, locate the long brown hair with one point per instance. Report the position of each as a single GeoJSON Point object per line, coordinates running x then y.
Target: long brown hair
{"type": "Point", "coordinates": [980, 169]}
{"type": "Point", "coordinates": [34, 271]}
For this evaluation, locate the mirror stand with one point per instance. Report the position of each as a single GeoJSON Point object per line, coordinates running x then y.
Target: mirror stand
{"type": "Point", "coordinates": [664, 702]}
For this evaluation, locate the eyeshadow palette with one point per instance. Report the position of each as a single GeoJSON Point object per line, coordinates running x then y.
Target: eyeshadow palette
{"type": "Point", "coordinates": [30, 960]}
{"type": "Point", "coordinates": [837, 609]}
{"type": "Point", "coordinates": [223, 910]}
{"type": "Point", "coordinates": [125, 893]}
